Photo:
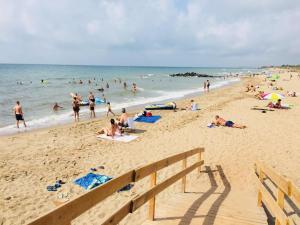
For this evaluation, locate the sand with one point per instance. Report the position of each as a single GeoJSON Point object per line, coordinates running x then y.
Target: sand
{"type": "Point", "coordinates": [31, 161]}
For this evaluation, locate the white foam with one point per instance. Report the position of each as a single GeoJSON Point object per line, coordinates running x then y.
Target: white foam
{"type": "Point", "coordinates": [67, 117]}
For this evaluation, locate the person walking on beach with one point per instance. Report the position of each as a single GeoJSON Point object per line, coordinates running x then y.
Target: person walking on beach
{"type": "Point", "coordinates": [204, 86]}
{"type": "Point", "coordinates": [207, 85]}
{"type": "Point", "coordinates": [92, 101]}
{"type": "Point", "coordinates": [76, 108]}
{"type": "Point", "coordinates": [109, 109]}
{"type": "Point", "coordinates": [19, 114]}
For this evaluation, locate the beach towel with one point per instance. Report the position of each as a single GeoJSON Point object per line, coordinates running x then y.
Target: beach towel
{"type": "Point", "coordinates": [147, 119]}
{"type": "Point", "coordinates": [92, 180]}
{"type": "Point", "coordinates": [123, 138]}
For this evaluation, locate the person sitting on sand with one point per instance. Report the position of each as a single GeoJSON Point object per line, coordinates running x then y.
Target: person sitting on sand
{"type": "Point", "coordinates": [112, 130]}
{"type": "Point", "coordinates": [193, 106]}
{"type": "Point", "coordinates": [219, 121]}
{"type": "Point", "coordinates": [292, 93]}
{"type": "Point", "coordinates": [123, 120]}
{"type": "Point", "coordinates": [277, 105]}
{"type": "Point", "coordinates": [56, 107]}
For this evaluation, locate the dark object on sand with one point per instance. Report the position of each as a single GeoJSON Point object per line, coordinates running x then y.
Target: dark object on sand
{"type": "Point", "coordinates": [192, 74]}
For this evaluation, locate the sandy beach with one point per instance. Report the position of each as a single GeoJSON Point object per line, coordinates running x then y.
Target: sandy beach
{"type": "Point", "coordinates": [29, 162]}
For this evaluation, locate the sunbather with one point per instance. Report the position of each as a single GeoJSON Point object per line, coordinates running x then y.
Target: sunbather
{"type": "Point", "coordinates": [111, 131]}
{"type": "Point", "coordinates": [292, 94]}
{"type": "Point", "coordinates": [123, 120]}
{"type": "Point", "coordinates": [219, 121]}
{"type": "Point", "coordinates": [260, 95]}
{"type": "Point", "coordinates": [277, 105]}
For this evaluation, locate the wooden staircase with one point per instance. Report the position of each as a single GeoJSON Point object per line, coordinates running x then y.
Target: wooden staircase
{"type": "Point", "coordinates": [214, 203]}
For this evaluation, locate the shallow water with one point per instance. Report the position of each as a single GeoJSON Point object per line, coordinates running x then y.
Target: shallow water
{"type": "Point", "coordinates": [23, 83]}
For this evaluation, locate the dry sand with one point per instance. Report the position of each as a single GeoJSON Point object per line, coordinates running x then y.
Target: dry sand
{"type": "Point", "coordinates": [31, 161]}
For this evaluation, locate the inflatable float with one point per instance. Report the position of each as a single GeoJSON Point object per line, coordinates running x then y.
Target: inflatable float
{"type": "Point", "coordinates": [167, 106]}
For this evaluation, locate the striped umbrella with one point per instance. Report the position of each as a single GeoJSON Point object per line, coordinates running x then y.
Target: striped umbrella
{"type": "Point", "coordinates": [273, 96]}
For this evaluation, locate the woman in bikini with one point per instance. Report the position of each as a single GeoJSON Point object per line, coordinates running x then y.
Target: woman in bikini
{"type": "Point", "coordinates": [112, 130]}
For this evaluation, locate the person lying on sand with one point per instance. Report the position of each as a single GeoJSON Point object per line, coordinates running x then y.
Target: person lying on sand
{"type": "Point", "coordinates": [260, 95]}
{"type": "Point", "coordinates": [219, 121]}
{"type": "Point", "coordinates": [112, 130]}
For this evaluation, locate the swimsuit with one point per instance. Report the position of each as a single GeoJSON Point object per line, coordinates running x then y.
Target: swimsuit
{"type": "Point", "coordinates": [19, 117]}
{"type": "Point", "coordinates": [229, 123]}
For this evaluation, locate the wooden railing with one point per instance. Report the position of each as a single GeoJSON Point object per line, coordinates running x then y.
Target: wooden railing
{"type": "Point", "coordinates": [284, 189]}
{"type": "Point", "coordinates": [64, 214]}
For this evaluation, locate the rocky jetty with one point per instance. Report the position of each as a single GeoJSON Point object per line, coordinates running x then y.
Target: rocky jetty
{"type": "Point", "coordinates": [192, 74]}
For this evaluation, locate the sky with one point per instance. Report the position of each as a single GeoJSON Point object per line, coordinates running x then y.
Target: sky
{"type": "Point", "coordinates": [150, 32]}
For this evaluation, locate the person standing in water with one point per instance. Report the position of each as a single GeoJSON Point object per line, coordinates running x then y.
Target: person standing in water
{"type": "Point", "coordinates": [204, 86]}
{"type": "Point", "coordinates": [125, 85]}
{"type": "Point", "coordinates": [109, 109]}
{"type": "Point", "coordinates": [76, 108]}
{"type": "Point", "coordinates": [19, 114]}
{"type": "Point", "coordinates": [207, 85]}
{"type": "Point", "coordinates": [134, 88]}
{"type": "Point", "coordinates": [92, 104]}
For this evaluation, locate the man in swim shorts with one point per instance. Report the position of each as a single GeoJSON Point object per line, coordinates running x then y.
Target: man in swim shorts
{"type": "Point", "coordinates": [219, 121]}
{"type": "Point", "coordinates": [76, 108]}
{"type": "Point", "coordinates": [19, 114]}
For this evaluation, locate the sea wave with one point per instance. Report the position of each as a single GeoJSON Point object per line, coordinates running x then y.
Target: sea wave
{"type": "Point", "coordinates": [67, 117]}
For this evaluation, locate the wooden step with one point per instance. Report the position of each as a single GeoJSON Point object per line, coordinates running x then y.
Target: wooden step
{"type": "Point", "coordinates": [214, 203]}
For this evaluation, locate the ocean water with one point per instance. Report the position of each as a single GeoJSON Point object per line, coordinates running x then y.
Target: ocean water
{"type": "Point", "coordinates": [23, 83]}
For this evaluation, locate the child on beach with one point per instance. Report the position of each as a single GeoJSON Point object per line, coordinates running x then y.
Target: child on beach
{"type": "Point", "coordinates": [109, 109]}
{"type": "Point", "coordinates": [19, 114]}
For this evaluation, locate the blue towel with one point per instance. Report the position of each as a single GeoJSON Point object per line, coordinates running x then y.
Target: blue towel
{"type": "Point", "coordinates": [147, 119]}
{"type": "Point", "coordinates": [92, 180]}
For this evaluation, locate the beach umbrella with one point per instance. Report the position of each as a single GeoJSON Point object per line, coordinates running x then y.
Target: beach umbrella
{"type": "Point", "coordinates": [273, 96]}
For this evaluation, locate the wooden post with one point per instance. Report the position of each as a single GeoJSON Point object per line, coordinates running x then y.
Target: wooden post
{"type": "Point", "coordinates": [259, 199]}
{"type": "Point", "coordinates": [261, 178]}
{"type": "Point", "coordinates": [280, 202]}
{"type": "Point", "coordinates": [199, 159]}
{"type": "Point", "coordinates": [183, 178]}
{"type": "Point", "coordinates": [152, 200]}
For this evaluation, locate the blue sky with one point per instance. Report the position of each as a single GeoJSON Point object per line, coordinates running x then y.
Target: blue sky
{"type": "Point", "coordinates": [150, 32]}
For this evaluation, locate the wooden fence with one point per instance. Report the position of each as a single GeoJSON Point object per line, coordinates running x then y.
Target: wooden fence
{"type": "Point", "coordinates": [285, 189]}
{"type": "Point", "coordinates": [64, 214]}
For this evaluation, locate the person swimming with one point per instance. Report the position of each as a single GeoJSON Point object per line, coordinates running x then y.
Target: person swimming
{"type": "Point", "coordinates": [56, 107]}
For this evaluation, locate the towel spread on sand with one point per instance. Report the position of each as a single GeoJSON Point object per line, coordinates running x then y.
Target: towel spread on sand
{"type": "Point", "coordinates": [92, 180]}
{"type": "Point", "coordinates": [147, 119]}
{"type": "Point", "coordinates": [123, 138]}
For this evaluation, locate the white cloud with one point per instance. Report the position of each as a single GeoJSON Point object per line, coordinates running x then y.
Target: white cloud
{"type": "Point", "coordinates": [157, 32]}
